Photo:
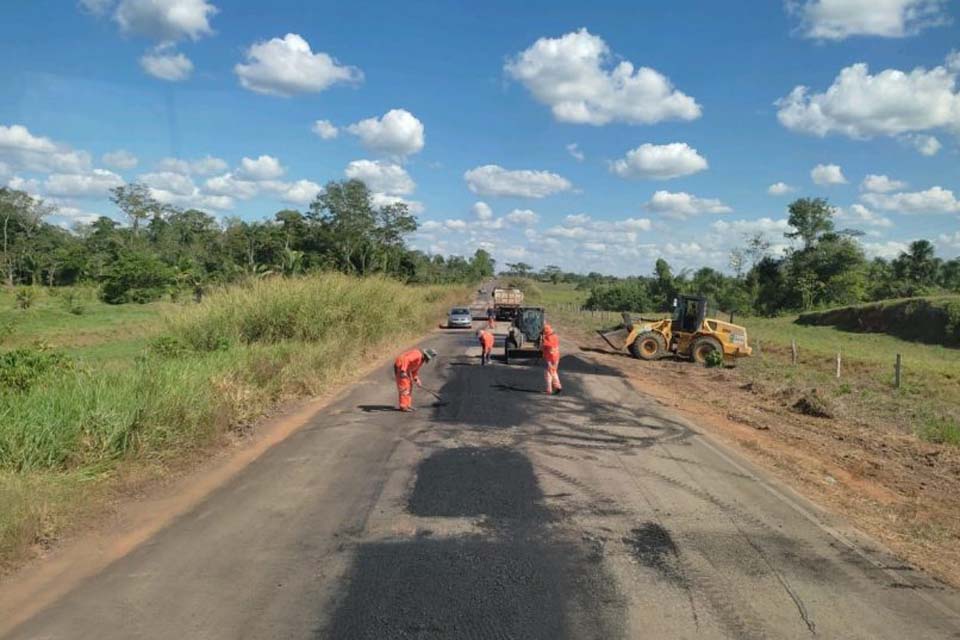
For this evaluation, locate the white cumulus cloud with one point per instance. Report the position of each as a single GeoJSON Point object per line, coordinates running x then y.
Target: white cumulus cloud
{"type": "Point", "coordinates": [926, 145]}
{"type": "Point", "coordinates": [891, 103]}
{"type": "Point", "coordinates": [166, 64]}
{"type": "Point", "coordinates": [780, 189]}
{"type": "Point", "coordinates": [827, 174]}
{"type": "Point", "coordinates": [524, 217]}
{"type": "Point", "coordinates": [482, 211]}
{"type": "Point", "coordinates": [574, 151]}
{"type": "Point", "coordinates": [325, 129]}
{"type": "Point", "coordinates": [660, 162]}
{"type": "Point", "coordinates": [881, 184]}
{"type": "Point", "coordinates": [858, 214]}
{"type": "Point", "coordinates": [494, 180]}
{"type": "Point", "coordinates": [383, 177]}
{"type": "Point", "coordinates": [301, 192]}
{"type": "Point", "coordinates": [933, 200]}
{"type": "Point", "coordinates": [20, 149]}
{"type": "Point", "coordinates": [262, 168]}
{"type": "Point", "coordinates": [164, 20]}
{"type": "Point", "coordinates": [97, 182]}
{"type": "Point", "coordinates": [120, 159]}
{"type": "Point", "coordinates": [578, 77]}
{"type": "Point", "coordinates": [840, 19]}
{"type": "Point", "coordinates": [287, 66]}
{"type": "Point", "coordinates": [204, 166]}
{"type": "Point", "coordinates": [681, 206]}
{"type": "Point", "coordinates": [398, 133]}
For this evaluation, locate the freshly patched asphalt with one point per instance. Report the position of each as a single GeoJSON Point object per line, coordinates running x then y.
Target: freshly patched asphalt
{"type": "Point", "coordinates": [501, 512]}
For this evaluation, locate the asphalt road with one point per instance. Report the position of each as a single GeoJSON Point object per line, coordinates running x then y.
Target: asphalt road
{"type": "Point", "coordinates": [500, 512]}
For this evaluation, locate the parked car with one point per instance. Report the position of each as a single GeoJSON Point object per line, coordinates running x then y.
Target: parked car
{"type": "Point", "coordinates": [459, 318]}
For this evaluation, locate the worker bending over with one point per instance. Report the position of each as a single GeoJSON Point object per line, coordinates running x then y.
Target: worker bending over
{"type": "Point", "coordinates": [550, 347]}
{"type": "Point", "coordinates": [406, 369]}
{"type": "Point", "coordinates": [486, 345]}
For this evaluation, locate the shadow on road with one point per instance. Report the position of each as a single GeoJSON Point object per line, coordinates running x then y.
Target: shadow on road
{"type": "Point", "coordinates": [523, 582]}
{"type": "Point", "coordinates": [375, 408]}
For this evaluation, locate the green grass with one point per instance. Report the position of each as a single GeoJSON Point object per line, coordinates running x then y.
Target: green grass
{"type": "Point", "coordinates": [927, 404]}
{"type": "Point", "coordinates": [102, 333]}
{"type": "Point", "coordinates": [244, 349]}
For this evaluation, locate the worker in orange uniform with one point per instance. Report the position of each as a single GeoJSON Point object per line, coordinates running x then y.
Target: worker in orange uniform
{"type": "Point", "coordinates": [486, 345]}
{"type": "Point", "coordinates": [406, 369]}
{"type": "Point", "coordinates": [550, 348]}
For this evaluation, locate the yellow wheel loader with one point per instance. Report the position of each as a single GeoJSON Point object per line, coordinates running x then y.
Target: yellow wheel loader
{"type": "Point", "coordinates": [688, 334]}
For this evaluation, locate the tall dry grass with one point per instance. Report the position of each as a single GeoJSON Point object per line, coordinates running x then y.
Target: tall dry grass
{"type": "Point", "coordinates": [223, 363]}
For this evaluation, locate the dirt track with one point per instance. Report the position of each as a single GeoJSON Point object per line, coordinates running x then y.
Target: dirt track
{"type": "Point", "coordinates": [500, 512]}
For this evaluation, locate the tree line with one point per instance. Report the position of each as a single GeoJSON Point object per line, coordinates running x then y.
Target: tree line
{"type": "Point", "coordinates": [168, 250]}
{"type": "Point", "coordinates": [164, 249]}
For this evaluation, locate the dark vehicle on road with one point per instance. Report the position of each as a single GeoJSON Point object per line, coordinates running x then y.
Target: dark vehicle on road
{"type": "Point", "coordinates": [526, 331]}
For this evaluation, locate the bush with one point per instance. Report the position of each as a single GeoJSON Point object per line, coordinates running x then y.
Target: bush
{"type": "Point", "coordinates": [714, 359]}
{"type": "Point", "coordinates": [20, 369]}
{"type": "Point", "coordinates": [629, 295]}
{"type": "Point", "coordinates": [71, 302]}
{"type": "Point", "coordinates": [136, 276]}
{"type": "Point", "coordinates": [25, 296]}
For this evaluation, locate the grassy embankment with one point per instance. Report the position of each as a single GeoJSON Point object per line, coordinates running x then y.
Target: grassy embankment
{"type": "Point", "coordinates": [927, 404]}
{"type": "Point", "coordinates": [150, 386]}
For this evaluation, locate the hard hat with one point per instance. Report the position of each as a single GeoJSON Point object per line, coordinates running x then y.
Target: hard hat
{"type": "Point", "coordinates": [429, 354]}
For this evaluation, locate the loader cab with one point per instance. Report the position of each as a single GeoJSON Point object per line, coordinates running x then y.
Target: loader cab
{"type": "Point", "coordinates": [689, 313]}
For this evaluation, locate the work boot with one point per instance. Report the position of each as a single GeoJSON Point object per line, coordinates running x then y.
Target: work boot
{"type": "Point", "coordinates": [558, 391]}
{"type": "Point", "coordinates": [407, 409]}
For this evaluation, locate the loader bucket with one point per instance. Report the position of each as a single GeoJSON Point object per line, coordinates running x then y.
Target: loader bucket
{"type": "Point", "coordinates": [614, 336]}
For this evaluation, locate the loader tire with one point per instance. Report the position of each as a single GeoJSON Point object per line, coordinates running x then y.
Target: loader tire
{"type": "Point", "coordinates": [649, 345]}
{"type": "Point", "coordinates": [702, 347]}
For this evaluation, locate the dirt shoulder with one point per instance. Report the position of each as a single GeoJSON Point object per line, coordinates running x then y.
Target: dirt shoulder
{"type": "Point", "coordinates": [893, 486]}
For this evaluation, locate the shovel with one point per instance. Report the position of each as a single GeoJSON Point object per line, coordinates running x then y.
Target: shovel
{"type": "Point", "coordinates": [440, 401]}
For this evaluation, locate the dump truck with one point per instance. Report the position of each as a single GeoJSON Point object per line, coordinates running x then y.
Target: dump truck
{"type": "Point", "coordinates": [525, 333]}
{"type": "Point", "coordinates": [506, 303]}
{"type": "Point", "coordinates": [688, 334]}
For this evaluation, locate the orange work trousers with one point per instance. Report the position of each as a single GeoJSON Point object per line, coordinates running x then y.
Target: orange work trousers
{"type": "Point", "coordinates": [405, 390]}
{"type": "Point", "coordinates": [551, 376]}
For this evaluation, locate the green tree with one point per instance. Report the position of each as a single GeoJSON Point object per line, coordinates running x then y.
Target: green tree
{"type": "Point", "coordinates": [521, 269]}
{"type": "Point", "coordinates": [136, 276]}
{"type": "Point", "coordinates": [918, 266]}
{"type": "Point", "coordinates": [482, 265]}
{"type": "Point", "coordinates": [359, 237]}
{"type": "Point", "coordinates": [810, 217]}
{"type": "Point", "coordinates": [136, 202]}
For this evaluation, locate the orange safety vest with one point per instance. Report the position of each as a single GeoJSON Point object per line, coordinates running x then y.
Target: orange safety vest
{"type": "Point", "coordinates": [550, 348]}
{"type": "Point", "coordinates": [486, 340]}
{"type": "Point", "coordinates": [408, 364]}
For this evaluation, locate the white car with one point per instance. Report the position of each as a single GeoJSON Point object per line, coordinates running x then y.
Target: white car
{"type": "Point", "coordinates": [459, 318]}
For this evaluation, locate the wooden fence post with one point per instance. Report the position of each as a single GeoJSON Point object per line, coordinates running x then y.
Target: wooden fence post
{"type": "Point", "coordinates": [896, 371]}
{"type": "Point", "coordinates": [838, 365]}
{"type": "Point", "coordinates": [793, 351]}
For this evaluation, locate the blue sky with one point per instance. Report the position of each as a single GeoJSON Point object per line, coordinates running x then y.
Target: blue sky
{"type": "Point", "coordinates": [683, 114]}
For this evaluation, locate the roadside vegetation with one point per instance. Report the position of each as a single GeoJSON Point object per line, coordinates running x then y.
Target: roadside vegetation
{"type": "Point", "coordinates": [76, 414]}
